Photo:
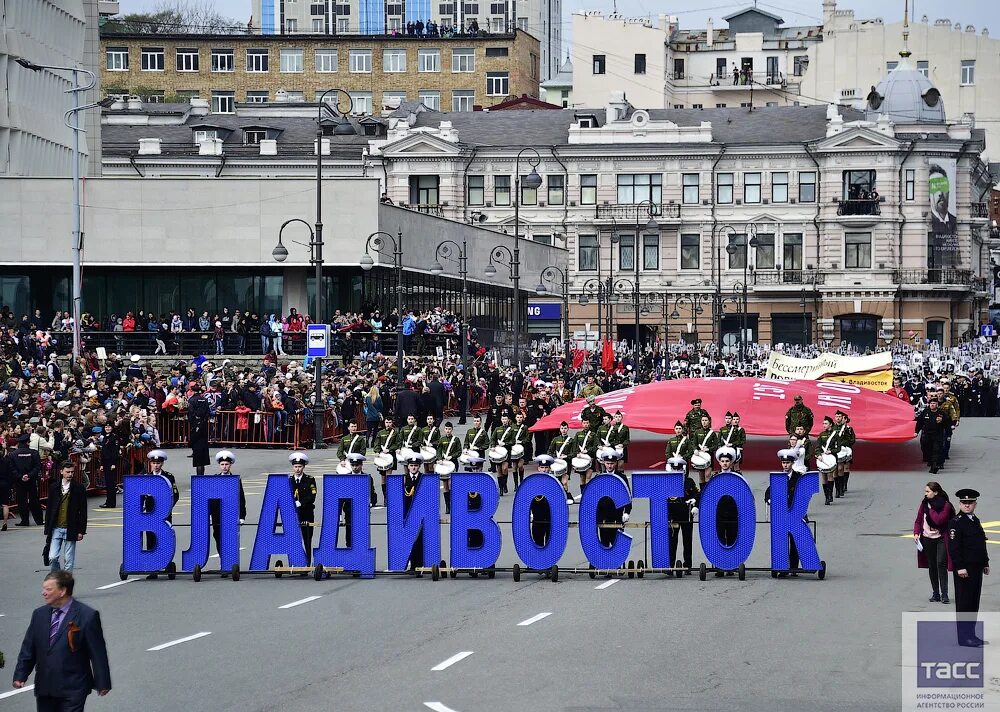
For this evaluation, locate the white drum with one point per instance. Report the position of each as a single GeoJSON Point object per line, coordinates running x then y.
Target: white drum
{"type": "Point", "coordinates": [405, 453]}
{"type": "Point", "coordinates": [619, 451]}
{"type": "Point", "coordinates": [383, 461]}
{"type": "Point", "coordinates": [444, 468]}
{"type": "Point", "coordinates": [517, 452]}
{"type": "Point", "coordinates": [845, 454]}
{"type": "Point", "coordinates": [497, 454]}
{"type": "Point", "coordinates": [701, 460]}
{"type": "Point", "coordinates": [559, 467]}
{"type": "Point", "coordinates": [466, 457]}
{"type": "Point", "coordinates": [344, 469]}
{"type": "Point", "coordinates": [826, 463]}
{"type": "Point", "coordinates": [581, 463]}
{"type": "Point", "coordinates": [428, 453]}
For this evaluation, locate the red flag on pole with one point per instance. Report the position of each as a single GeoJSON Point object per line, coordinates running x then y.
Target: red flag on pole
{"type": "Point", "coordinates": [608, 357]}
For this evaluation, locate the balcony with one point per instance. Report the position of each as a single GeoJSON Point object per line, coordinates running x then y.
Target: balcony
{"type": "Point", "coordinates": [979, 210]}
{"type": "Point", "coordinates": [744, 82]}
{"type": "Point", "coordinates": [942, 276]}
{"type": "Point", "coordinates": [859, 207]}
{"type": "Point", "coordinates": [426, 208]}
{"type": "Point", "coordinates": [806, 277]}
{"type": "Point", "coordinates": [630, 212]}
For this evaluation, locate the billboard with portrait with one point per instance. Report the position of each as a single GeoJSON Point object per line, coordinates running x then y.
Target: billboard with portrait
{"type": "Point", "coordinates": [943, 214]}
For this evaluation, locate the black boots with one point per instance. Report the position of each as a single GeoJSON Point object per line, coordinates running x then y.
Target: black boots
{"type": "Point", "coordinates": [847, 476]}
{"type": "Point", "coordinates": [447, 501]}
{"type": "Point", "coordinates": [828, 491]}
{"type": "Point", "coordinates": [385, 500]}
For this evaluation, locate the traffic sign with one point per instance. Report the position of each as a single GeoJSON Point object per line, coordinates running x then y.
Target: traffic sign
{"type": "Point", "coordinates": [318, 340]}
{"type": "Point", "coordinates": [987, 330]}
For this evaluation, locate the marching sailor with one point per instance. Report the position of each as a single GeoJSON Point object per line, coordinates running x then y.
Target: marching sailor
{"type": "Point", "coordinates": [541, 512]}
{"type": "Point", "coordinates": [704, 441]}
{"type": "Point", "coordinates": [355, 443]}
{"type": "Point", "coordinates": [680, 514]}
{"type": "Point", "coordinates": [563, 448]}
{"type": "Point", "coordinates": [607, 512]}
{"type": "Point", "coordinates": [826, 449]}
{"type": "Point", "coordinates": [387, 442]}
{"type": "Point", "coordinates": [225, 460]}
{"type": "Point", "coordinates": [355, 462]}
{"type": "Point", "coordinates": [411, 477]}
{"type": "Point", "coordinates": [154, 466]}
{"type": "Point", "coordinates": [304, 492]}
{"type": "Point", "coordinates": [787, 457]}
{"type": "Point", "coordinates": [449, 448]}
{"type": "Point", "coordinates": [846, 438]}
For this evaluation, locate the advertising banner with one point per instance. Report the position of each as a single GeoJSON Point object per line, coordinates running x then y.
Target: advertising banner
{"type": "Point", "coordinates": [784, 367]}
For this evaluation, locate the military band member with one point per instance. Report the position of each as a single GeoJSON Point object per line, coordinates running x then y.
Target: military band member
{"type": "Point", "coordinates": [387, 442]}
{"type": "Point", "coordinates": [621, 437]}
{"type": "Point", "coordinates": [225, 460]}
{"type": "Point", "coordinates": [409, 434]}
{"type": "Point", "coordinates": [430, 435]}
{"type": "Point", "coordinates": [541, 512]}
{"type": "Point", "coordinates": [477, 437]}
{"type": "Point", "coordinates": [586, 444]}
{"type": "Point", "coordinates": [680, 514]}
{"type": "Point", "coordinates": [732, 435]}
{"type": "Point", "coordinates": [449, 448]}
{"type": "Point", "coordinates": [411, 477]}
{"type": "Point", "coordinates": [563, 448]}
{"type": "Point", "coordinates": [603, 432]}
{"type": "Point", "coordinates": [798, 414]}
{"type": "Point", "coordinates": [739, 436]}
{"type": "Point", "coordinates": [692, 421]}
{"type": "Point", "coordinates": [356, 443]}
{"type": "Point", "coordinates": [970, 561]}
{"type": "Point", "coordinates": [522, 437]}
{"type": "Point", "coordinates": [802, 440]}
{"type": "Point", "coordinates": [827, 444]}
{"type": "Point", "coordinates": [503, 436]}
{"type": "Point", "coordinates": [304, 492]}
{"type": "Point", "coordinates": [154, 466]}
{"type": "Point", "coordinates": [593, 413]}
{"type": "Point", "coordinates": [846, 438]}
{"type": "Point", "coordinates": [679, 446]}
{"type": "Point", "coordinates": [706, 440]}
{"type": "Point", "coordinates": [607, 512]}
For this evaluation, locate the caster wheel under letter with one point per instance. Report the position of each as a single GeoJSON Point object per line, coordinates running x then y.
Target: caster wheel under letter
{"type": "Point", "coordinates": [702, 572]}
{"type": "Point", "coordinates": [821, 574]}
{"type": "Point", "coordinates": [741, 573]}
{"type": "Point", "coordinates": [516, 572]}
{"type": "Point", "coordinates": [278, 565]}
{"type": "Point", "coordinates": [679, 565]}
{"type": "Point", "coordinates": [236, 572]}
{"type": "Point", "coordinates": [318, 572]}
{"type": "Point", "coordinates": [554, 573]}
{"type": "Point", "coordinates": [171, 571]}
{"type": "Point", "coordinates": [631, 568]}
{"type": "Point", "coordinates": [435, 572]}
{"type": "Point", "coordinates": [196, 573]}
{"type": "Point", "coordinates": [121, 572]}
{"type": "Point", "coordinates": [592, 572]}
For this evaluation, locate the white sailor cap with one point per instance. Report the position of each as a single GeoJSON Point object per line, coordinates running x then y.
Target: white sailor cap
{"type": "Point", "coordinates": [726, 451]}
{"type": "Point", "coordinates": [544, 459]}
{"type": "Point", "coordinates": [787, 455]}
{"type": "Point", "coordinates": [157, 455]}
{"type": "Point", "coordinates": [298, 457]}
{"type": "Point", "coordinates": [413, 457]}
{"type": "Point", "coordinates": [678, 462]}
{"type": "Point", "coordinates": [225, 456]}
{"type": "Point", "coordinates": [607, 454]}
{"type": "Point", "coordinates": [354, 457]}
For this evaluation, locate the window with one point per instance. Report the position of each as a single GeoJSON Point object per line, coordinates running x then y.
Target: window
{"type": "Point", "coordinates": [424, 190]}
{"type": "Point", "coordinates": [522, 24]}
{"type": "Point", "coordinates": [858, 250]}
{"type": "Point", "coordinates": [923, 67]}
{"type": "Point", "coordinates": [968, 72]}
{"type": "Point", "coordinates": [543, 239]}
{"type": "Point", "coordinates": [910, 179]}
{"type": "Point", "coordinates": [290, 61]}
{"type": "Point", "coordinates": [557, 189]}
{"type": "Point", "coordinates": [343, 24]}
{"type": "Point", "coordinates": [690, 196]}
{"type": "Point", "coordinates": [529, 196]}
{"type": "Point", "coordinates": [697, 106]}
{"type": "Point", "coordinates": [362, 101]}
{"type": "Point", "coordinates": [291, 25]}
{"type": "Point", "coordinates": [116, 59]}
{"type": "Point", "coordinates": [155, 96]}
{"type": "Point", "coordinates": [889, 66]}
{"type": "Point", "coordinates": [392, 99]}
{"type": "Point", "coordinates": [471, 8]}
{"type": "Point", "coordinates": [807, 187]}
{"type": "Point", "coordinates": [738, 259]}
{"type": "Point", "coordinates": [799, 64]}
{"type": "Point", "coordinates": [151, 59]}
{"type": "Point", "coordinates": [690, 251]}
{"type": "Point", "coordinates": [678, 106]}
{"type": "Point", "coordinates": [253, 137]}
{"type": "Point", "coordinates": [633, 188]}
{"type": "Point", "coordinates": [188, 94]}
{"type": "Point", "coordinates": [678, 68]}
{"type": "Point", "coordinates": [640, 64]}
{"type": "Point", "coordinates": [935, 333]}
{"type": "Point", "coordinates": [720, 106]}
{"type": "Point", "coordinates": [588, 189]}
{"type": "Point", "coordinates": [745, 104]}
{"type": "Point", "coordinates": [501, 190]}
{"type": "Point", "coordinates": [326, 60]}
{"type": "Point", "coordinates": [791, 256]}
{"type": "Point", "coordinates": [463, 60]}
{"type": "Point", "coordinates": [600, 64]}
{"type": "Point", "coordinates": [462, 99]}
{"type": "Point", "coordinates": [586, 253]}
{"type": "Point", "coordinates": [496, 51]}
{"type": "Point", "coordinates": [751, 187]}
{"type": "Point", "coordinates": [857, 184]}
{"type": "Point", "coordinates": [223, 102]}
{"type": "Point", "coordinates": [477, 190]}
{"type": "Point", "coordinates": [430, 99]}
{"type": "Point", "coordinates": [257, 97]}
{"type": "Point", "coordinates": [297, 96]}
{"type": "Point", "coordinates": [724, 189]}
{"type": "Point", "coordinates": [360, 61]}
{"type": "Point", "coordinates": [394, 60]}
{"type": "Point", "coordinates": [317, 25]}
{"type": "Point", "coordinates": [497, 83]}
{"type": "Point", "coordinates": [651, 252]}
{"type": "Point", "coordinates": [626, 252]}
{"type": "Point", "coordinates": [720, 70]}
{"type": "Point", "coordinates": [222, 60]}
{"type": "Point", "coordinates": [428, 60]}
{"type": "Point", "coordinates": [204, 135]}
{"type": "Point", "coordinates": [764, 252]}
{"type": "Point", "coordinates": [187, 60]}
{"type": "Point", "coordinates": [257, 60]}
{"type": "Point", "coordinates": [779, 187]}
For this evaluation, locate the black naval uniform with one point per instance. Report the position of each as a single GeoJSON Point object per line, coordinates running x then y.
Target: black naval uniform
{"type": "Point", "coordinates": [304, 492]}
{"type": "Point", "coordinates": [409, 491]}
{"type": "Point", "coordinates": [215, 515]}
{"type": "Point", "coordinates": [682, 521]}
{"type": "Point", "coordinates": [541, 520]}
{"type": "Point", "coordinates": [793, 552]}
{"type": "Point", "coordinates": [967, 549]}
{"type": "Point", "coordinates": [607, 513]}
{"type": "Point", "coordinates": [146, 506]}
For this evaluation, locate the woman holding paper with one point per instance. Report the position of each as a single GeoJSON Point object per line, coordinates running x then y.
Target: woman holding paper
{"type": "Point", "coordinates": [933, 515]}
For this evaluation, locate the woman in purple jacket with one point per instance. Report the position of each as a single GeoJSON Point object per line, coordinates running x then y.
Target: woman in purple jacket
{"type": "Point", "coordinates": [929, 531]}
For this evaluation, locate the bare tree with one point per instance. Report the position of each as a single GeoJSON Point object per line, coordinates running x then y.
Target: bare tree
{"type": "Point", "coordinates": [176, 17]}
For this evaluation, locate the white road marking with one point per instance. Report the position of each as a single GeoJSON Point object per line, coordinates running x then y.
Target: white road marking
{"type": "Point", "coordinates": [177, 642]}
{"type": "Point", "coordinates": [27, 688]}
{"type": "Point", "coordinates": [438, 707]}
{"type": "Point", "coordinates": [606, 584]}
{"type": "Point", "coordinates": [216, 556]}
{"type": "Point", "coordinates": [293, 604]}
{"type": "Point", "coordinates": [118, 583]}
{"type": "Point", "coordinates": [535, 619]}
{"type": "Point", "coordinates": [457, 657]}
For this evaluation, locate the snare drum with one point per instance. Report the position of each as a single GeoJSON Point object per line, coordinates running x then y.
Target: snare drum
{"type": "Point", "coordinates": [497, 454]}
{"type": "Point", "coordinates": [701, 460]}
{"type": "Point", "coordinates": [406, 453]}
{"type": "Point", "coordinates": [559, 467]}
{"type": "Point", "coordinates": [467, 455]}
{"type": "Point", "coordinates": [516, 452]}
{"type": "Point", "coordinates": [826, 463]}
{"type": "Point", "coordinates": [428, 453]}
{"type": "Point", "coordinates": [581, 463]}
{"type": "Point", "coordinates": [444, 468]}
{"type": "Point", "coordinates": [383, 461]}
{"type": "Point", "coordinates": [845, 454]}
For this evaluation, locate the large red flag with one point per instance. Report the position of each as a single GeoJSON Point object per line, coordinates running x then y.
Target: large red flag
{"type": "Point", "coordinates": [608, 356]}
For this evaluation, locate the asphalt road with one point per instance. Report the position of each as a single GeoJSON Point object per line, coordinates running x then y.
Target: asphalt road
{"type": "Point", "coordinates": [607, 644]}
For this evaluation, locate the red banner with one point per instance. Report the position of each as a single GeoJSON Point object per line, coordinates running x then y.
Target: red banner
{"type": "Point", "coordinates": [762, 405]}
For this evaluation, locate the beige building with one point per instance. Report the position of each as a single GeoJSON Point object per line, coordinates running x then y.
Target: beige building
{"type": "Point", "coordinates": [378, 71]}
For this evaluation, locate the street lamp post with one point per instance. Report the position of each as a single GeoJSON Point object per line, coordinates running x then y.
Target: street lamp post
{"type": "Point", "coordinates": [444, 250]}
{"type": "Point", "coordinates": [74, 114]}
{"type": "Point", "coordinates": [376, 241]}
{"type": "Point", "coordinates": [802, 303]}
{"type": "Point", "coordinates": [663, 299]}
{"type": "Point", "coordinates": [501, 254]}
{"type": "Point", "coordinates": [650, 226]}
{"type": "Point", "coordinates": [736, 242]}
{"type": "Point", "coordinates": [532, 181]}
{"type": "Point", "coordinates": [548, 275]}
{"type": "Point", "coordinates": [695, 302]}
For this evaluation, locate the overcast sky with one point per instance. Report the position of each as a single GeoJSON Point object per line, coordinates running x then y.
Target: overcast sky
{"type": "Point", "coordinates": [693, 14]}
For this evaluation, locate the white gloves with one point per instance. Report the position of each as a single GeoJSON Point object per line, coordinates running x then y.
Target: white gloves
{"type": "Point", "coordinates": [241, 521]}
{"type": "Point", "coordinates": [624, 517]}
{"type": "Point", "coordinates": [694, 511]}
{"type": "Point", "coordinates": [691, 502]}
{"type": "Point", "coordinates": [298, 503]}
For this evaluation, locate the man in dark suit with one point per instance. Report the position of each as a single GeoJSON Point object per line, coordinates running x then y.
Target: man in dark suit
{"type": "Point", "coordinates": [65, 646]}
{"type": "Point", "coordinates": [407, 404]}
{"type": "Point", "coordinates": [198, 411]}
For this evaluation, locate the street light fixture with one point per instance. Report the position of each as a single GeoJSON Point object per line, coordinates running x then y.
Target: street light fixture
{"type": "Point", "coordinates": [532, 181]}
{"type": "Point", "coordinates": [735, 243]}
{"type": "Point", "coordinates": [444, 250]}
{"type": "Point", "coordinates": [548, 275]}
{"type": "Point", "coordinates": [637, 253]}
{"type": "Point", "coordinates": [501, 254]}
{"type": "Point", "coordinates": [376, 241]}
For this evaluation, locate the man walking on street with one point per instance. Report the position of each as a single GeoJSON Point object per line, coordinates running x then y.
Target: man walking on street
{"type": "Point", "coordinates": [65, 517]}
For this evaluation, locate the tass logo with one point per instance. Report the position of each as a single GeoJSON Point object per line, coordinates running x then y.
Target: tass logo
{"type": "Point", "coordinates": [941, 661]}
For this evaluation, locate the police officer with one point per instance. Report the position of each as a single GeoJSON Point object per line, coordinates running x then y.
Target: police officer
{"type": "Point", "coordinates": [26, 467]}
{"type": "Point", "coordinates": [154, 466]}
{"type": "Point", "coordinates": [970, 562]}
{"type": "Point", "coordinates": [304, 491]}
{"type": "Point", "coordinates": [541, 512]}
{"type": "Point", "coordinates": [225, 460]}
{"type": "Point", "coordinates": [680, 514]}
{"type": "Point", "coordinates": [411, 477]}
{"type": "Point", "coordinates": [798, 414]}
